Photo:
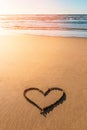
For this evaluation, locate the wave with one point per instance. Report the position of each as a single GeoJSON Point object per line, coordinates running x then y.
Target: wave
{"type": "Point", "coordinates": [44, 22]}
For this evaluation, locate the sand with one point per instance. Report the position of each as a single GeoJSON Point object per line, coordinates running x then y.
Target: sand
{"type": "Point", "coordinates": [28, 61]}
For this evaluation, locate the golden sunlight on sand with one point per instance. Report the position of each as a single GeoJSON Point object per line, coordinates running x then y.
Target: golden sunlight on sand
{"type": "Point", "coordinates": [43, 62]}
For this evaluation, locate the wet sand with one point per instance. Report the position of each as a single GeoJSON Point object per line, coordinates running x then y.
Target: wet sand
{"type": "Point", "coordinates": [28, 61]}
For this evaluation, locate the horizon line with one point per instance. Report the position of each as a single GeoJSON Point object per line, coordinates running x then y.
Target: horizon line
{"type": "Point", "coordinates": [45, 14]}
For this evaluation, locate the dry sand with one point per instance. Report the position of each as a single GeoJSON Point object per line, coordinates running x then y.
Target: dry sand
{"type": "Point", "coordinates": [43, 62]}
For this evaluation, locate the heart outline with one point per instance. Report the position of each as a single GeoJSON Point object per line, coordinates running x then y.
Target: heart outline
{"type": "Point", "coordinates": [49, 108]}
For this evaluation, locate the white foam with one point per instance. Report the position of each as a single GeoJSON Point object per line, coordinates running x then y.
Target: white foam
{"type": "Point", "coordinates": [61, 33]}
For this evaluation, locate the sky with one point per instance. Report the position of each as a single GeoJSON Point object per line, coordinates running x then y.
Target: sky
{"type": "Point", "coordinates": [43, 6]}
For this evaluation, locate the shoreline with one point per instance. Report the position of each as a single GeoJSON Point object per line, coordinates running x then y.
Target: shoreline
{"type": "Point", "coordinates": [48, 33]}
{"type": "Point", "coordinates": [48, 36]}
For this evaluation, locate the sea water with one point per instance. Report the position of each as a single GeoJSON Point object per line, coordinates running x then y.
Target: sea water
{"type": "Point", "coordinates": [69, 25]}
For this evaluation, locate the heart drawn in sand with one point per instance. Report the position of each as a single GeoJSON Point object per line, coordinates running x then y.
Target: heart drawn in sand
{"type": "Point", "coordinates": [50, 107]}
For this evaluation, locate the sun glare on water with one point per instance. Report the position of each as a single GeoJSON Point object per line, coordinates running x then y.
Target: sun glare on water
{"type": "Point", "coordinates": [2, 31]}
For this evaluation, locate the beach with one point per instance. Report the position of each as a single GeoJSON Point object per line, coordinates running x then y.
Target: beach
{"type": "Point", "coordinates": [43, 62]}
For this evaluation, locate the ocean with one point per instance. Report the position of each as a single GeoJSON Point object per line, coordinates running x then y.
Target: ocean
{"type": "Point", "coordinates": [68, 25]}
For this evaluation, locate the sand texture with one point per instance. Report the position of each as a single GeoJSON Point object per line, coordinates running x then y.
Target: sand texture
{"type": "Point", "coordinates": [43, 62]}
